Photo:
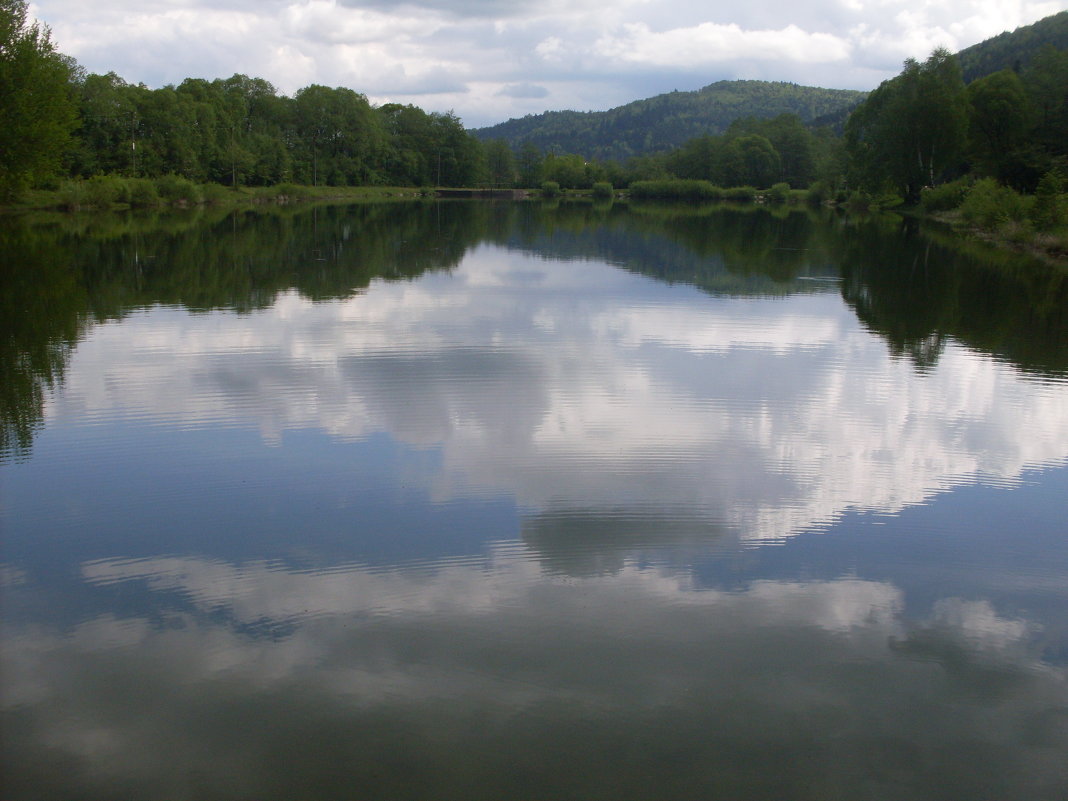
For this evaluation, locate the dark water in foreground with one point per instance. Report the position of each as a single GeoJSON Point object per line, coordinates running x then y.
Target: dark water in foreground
{"type": "Point", "coordinates": [503, 501]}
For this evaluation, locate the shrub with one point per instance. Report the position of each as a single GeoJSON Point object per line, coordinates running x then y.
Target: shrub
{"type": "Point", "coordinates": [779, 193]}
{"type": "Point", "coordinates": [819, 192]}
{"type": "Point", "coordinates": [101, 191]}
{"type": "Point", "coordinates": [741, 193]}
{"type": "Point", "coordinates": [603, 190]}
{"type": "Point", "coordinates": [72, 195]}
{"type": "Point", "coordinates": [988, 205]}
{"type": "Point", "coordinates": [946, 197]}
{"type": "Point", "coordinates": [214, 193]}
{"type": "Point", "coordinates": [288, 191]}
{"type": "Point", "coordinates": [858, 201]}
{"type": "Point", "coordinates": [676, 189]}
{"type": "Point", "coordinates": [550, 189]}
{"type": "Point", "coordinates": [887, 200]}
{"type": "Point", "coordinates": [142, 192]}
{"type": "Point", "coordinates": [1048, 211]}
{"type": "Point", "coordinates": [176, 189]}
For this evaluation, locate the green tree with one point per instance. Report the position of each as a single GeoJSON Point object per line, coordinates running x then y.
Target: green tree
{"type": "Point", "coordinates": [37, 112]}
{"type": "Point", "coordinates": [343, 141]}
{"type": "Point", "coordinates": [501, 163]}
{"type": "Point", "coordinates": [569, 171]}
{"type": "Point", "coordinates": [748, 160]}
{"type": "Point", "coordinates": [1047, 82]}
{"type": "Point", "coordinates": [910, 131]}
{"type": "Point", "coordinates": [999, 126]}
{"type": "Point", "coordinates": [412, 151]}
{"type": "Point", "coordinates": [528, 164]}
{"type": "Point", "coordinates": [793, 142]}
{"type": "Point", "coordinates": [695, 158]}
{"type": "Point", "coordinates": [460, 159]}
{"type": "Point", "coordinates": [108, 118]}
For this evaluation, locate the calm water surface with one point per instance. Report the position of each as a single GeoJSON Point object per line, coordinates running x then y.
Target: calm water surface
{"type": "Point", "coordinates": [511, 501]}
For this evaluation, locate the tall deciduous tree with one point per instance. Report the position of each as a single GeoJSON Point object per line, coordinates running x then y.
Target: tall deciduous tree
{"type": "Point", "coordinates": [911, 130]}
{"type": "Point", "coordinates": [501, 163]}
{"type": "Point", "coordinates": [1000, 121]}
{"type": "Point", "coordinates": [37, 113]}
{"type": "Point", "coordinates": [1047, 82]}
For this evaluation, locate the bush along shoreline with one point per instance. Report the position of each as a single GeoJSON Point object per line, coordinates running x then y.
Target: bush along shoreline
{"type": "Point", "coordinates": [117, 192]}
{"type": "Point", "coordinates": [988, 210]}
{"type": "Point", "coordinates": [981, 208]}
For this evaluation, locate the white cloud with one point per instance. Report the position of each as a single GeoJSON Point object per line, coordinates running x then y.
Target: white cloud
{"type": "Point", "coordinates": [588, 54]}
{"type": "Point", "coordinates": [709, 43]}
{"type": "Point", "coordinates": [609, 409]}
{"type": "Point", "coordinates": [416, 657]}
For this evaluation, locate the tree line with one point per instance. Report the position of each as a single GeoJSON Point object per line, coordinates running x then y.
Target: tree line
{"type": "Point", "coordinates": [923, 128]}
{"type": "Point", "coordinates": [241, 131]}
{"type": "Point", "coordinates": [57, 120]}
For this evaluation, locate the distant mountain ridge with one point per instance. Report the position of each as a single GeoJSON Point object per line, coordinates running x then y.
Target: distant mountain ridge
{"type": "Point", "coordinates": [666, 121]}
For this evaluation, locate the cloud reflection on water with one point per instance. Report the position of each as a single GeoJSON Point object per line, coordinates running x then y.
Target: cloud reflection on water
{"type": "Point", "coordinates": [765, 416]}
{"type": "Point", "coordinates": [386, 682]}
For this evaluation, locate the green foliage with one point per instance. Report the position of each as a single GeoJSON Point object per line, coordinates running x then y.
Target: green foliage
{"type": "Point", "coordinates": [675, 190]}
{"type": "Point", "coordinates": [1045, 81]}
{"type": "Point", "coordinates": [569, 171]}
{"type": "Point", "coordinates": [288, 191]}
{"type": "Point", "coordinates": [178, 190]}
{"type": "Point", "coordinates": [1000, 122]}
{"type": "Point", "coordinates": [911, 133]}
{"type": "Point", "coordinates": [239, 131]}
{"type": "Point", "coordinates": [500, 163]}
{"type": "Point", "coordinates": [944, 197]}
{"type": "Point", "coordinates": [779, 193]}
{"type": "Point", "coordinates": [794, 146]}
{"type": "Point", "coordinates": [748, 159]}
{"type": "Point", "coordinates": [38, 114]}
{"type": "Point", "coordinates": [214, 193]}
{"type": "Point", "coordinates": [603, 190]}
{"type": "Point", "coordinates": [71, 195]}
{"type": "Point", "coordinates": [101, 191]}
{"type": "Point", "coordinates": [746, 193]}
{"type": "Point", "coordinates": [911, 130]}
{"type": "Point", "coordinates": [1049, 210]}
{"type": "Point", "coordinates": [819, 192]}
{"type": "Point", "coordinates": [989, 205]}
{"type": "Point", "coordinates": [550, 189]}
{"type": "Point", "coordinates": [142, 192]}
{"type": "Point", "coordinates": [1014, 50]}
{"type": "Point", "coordinates": [859, 201]}
{"type": "Point", "coordinates": [528, 165]}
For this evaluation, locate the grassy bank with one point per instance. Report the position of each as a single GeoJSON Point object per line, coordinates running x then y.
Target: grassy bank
{"type": "Point", "coordinates": [110, 192]}
{"type": "Point", "coordinates": [986, 210]}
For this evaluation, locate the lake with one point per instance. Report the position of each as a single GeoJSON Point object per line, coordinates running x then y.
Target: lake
{"type": "Point", "coordinates": [480, 500]}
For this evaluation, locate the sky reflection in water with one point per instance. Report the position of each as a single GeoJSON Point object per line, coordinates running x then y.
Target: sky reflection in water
{"type": "Point", "coordinates": [536, 527]}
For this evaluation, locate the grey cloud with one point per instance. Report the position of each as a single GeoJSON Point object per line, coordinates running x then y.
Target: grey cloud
{"type": "Point", "coordinates": [495, 42]}
{"type": "Point", "coordinates": [530, 415]}
{"type": "Point", "coordinates": [476, 9]}
{"type": "Point", "coordinates": [423, 85]}
{"type": "Point", "coordinates": [524, 90]}
{"type": "Point", "coordinates": [539, 688]}
{"type": "Point", "coordinates": [585, 542]}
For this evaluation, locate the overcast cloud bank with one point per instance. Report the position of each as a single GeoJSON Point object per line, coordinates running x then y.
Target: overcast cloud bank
{"type": "Point", "coordinates": [490, 60]}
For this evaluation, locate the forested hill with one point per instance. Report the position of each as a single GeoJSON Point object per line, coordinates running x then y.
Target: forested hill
{"type": "Point", "coordinates": [667, 121]}
{"type": "Point", "coordinates": [1013, 49]}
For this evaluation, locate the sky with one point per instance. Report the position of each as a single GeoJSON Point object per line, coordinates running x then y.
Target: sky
{"type": "Point", "coordinates": [491, 60]}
